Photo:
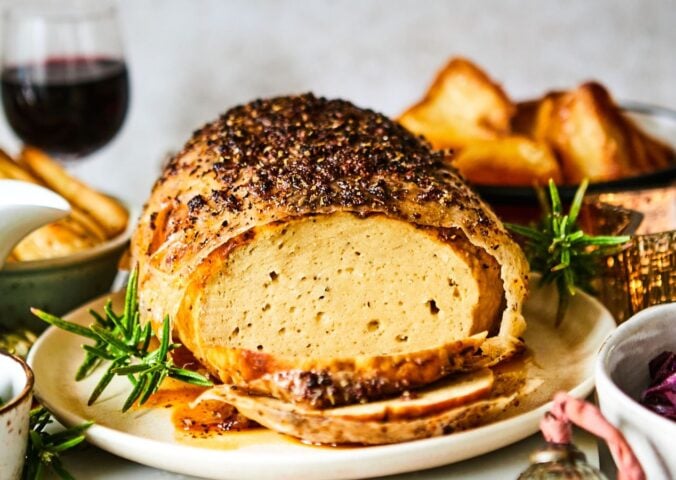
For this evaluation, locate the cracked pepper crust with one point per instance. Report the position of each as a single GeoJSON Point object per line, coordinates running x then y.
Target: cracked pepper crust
{"type": "Point", "coordinates": [287, 157]}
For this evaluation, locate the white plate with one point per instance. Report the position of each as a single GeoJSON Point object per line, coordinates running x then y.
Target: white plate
{"type": "Point", "coordinates": [564, 358]}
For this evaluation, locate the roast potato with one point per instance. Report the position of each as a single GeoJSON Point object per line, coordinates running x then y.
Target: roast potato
{"type": "Point", "coordinates": [462, 105]}
{"type": "Point", "coordinates": [513, 160]}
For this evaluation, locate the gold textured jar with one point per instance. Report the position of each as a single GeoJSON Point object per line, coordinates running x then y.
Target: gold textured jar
{"type": "Point", "coordinates": [644, 272]}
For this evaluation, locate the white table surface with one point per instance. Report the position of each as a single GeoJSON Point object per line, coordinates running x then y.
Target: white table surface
{"type": "Point", "coordinates": [92, 463]}
{"type": "Point", "coordinates": [191, 60]}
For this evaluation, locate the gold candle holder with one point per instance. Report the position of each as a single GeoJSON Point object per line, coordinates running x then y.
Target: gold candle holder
{"type": "Point", "coordinates": [643, 272]}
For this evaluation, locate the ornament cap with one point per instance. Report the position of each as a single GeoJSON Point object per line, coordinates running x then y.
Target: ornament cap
{"type": "Point", "coordinates": [557, 453]}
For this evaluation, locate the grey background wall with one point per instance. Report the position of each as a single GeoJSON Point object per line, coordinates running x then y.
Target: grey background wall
{"type": "Point", "coordinates": [192, 59]}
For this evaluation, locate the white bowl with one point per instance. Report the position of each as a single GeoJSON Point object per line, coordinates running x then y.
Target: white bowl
{"type": "Point", "coordinates": [16, 391]}
{"type": "Point", "coordinates": [621, 376]}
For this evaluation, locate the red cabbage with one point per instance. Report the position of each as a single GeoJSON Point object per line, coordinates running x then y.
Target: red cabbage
{"type": "Point", "coordinates": [660, 396]}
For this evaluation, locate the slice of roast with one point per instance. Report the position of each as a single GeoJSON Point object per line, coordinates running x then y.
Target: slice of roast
{"type": "Point", "coordinates": [450, 405]}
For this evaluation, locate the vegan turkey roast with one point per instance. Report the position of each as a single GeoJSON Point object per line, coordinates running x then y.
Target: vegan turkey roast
{"type": "Point", "coordinates": [319, 254]}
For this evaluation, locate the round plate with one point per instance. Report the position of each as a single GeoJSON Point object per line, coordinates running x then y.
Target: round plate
{"type": "Point", "coordinates": [563, 358]}
{"type": "Point", "coordinates": [657, 121]}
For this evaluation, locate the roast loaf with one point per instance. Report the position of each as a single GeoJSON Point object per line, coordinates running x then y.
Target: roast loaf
{"type": "Point", "coordinates": [320, 253]}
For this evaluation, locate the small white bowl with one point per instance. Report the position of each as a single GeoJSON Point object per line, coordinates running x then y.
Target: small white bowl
{"type": "Point", "coordinates": [622, 374]}
{"type": "Point", "coordinates": [16, 391]}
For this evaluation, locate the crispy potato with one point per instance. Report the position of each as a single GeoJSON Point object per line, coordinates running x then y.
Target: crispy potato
{"type": "Point", "coordinates": [463, 104]}
{"type": "Point", "coordinates": [88, 223]}
{"type": "Point", "coordinates": [533, 117]}
{"type": "Point", "coordinates": [586, 132]}
{"type": "Point", "coordinates": [14, 171]}
{"type": "Point", "coordinates": [513, 160]}
{"type": "Point", "coordinates": [584, 129]}
{"type": "Point", "coordinates": [523, 121]}
{"type": "Point", "coordinates": [447, 136]}
{"type": "Point", "coordinates": [592, 138]}
{"type": "Point", "coordinates": [107, 212]}
{"type": "Point", "coordinates": [57, 239]}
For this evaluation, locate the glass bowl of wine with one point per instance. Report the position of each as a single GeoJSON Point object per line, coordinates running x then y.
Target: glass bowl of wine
{"type": "Point", "coordinates": [64, 81]}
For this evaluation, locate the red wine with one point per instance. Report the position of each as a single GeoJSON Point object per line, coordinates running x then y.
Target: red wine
{"type": "Point", "coordinates": [66, 106]}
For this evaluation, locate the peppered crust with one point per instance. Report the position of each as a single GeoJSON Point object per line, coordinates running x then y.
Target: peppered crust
{"type": "Point", "coordinates": [305, 153]}
{"type": "Point", "coordinates": [282, 158]}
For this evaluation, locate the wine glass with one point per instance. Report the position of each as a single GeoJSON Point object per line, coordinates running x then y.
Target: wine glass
{"type": "Point", "coordinates": [64, 82]}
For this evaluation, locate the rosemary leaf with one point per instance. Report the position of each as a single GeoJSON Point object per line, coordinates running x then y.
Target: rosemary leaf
{"type": "Point", "coordinates": [112, 316]}
{"type": "Point", "coordinates": [164, 341]}
{"type": "Point", "coordinates": [130, 305]}
{"type": "Point", "coordinates": [136, 368]}
{"type": "Point", "coordinates": [151, 387]}
{"type": "Point", "coordinates": [104, 381]}
{"type": "Point", "coordinates": [43, 453]}
{"type": "Point", "coordinates": [68, 444]}
{"type": "Point", "coordinates": [559, 249]}
{"type": "Point", "coordinates": [576, 206]}
{"type": "Point", "coordinates": [99, 319]}
{"type": "Point", "coordinates": [64, 435]}
{"type": "Point", "coordinates": [61, 471]}
{"type": "Point", "coordinates": [135, 393]}
{"type": "Point", "coordinates": [63, 324]}
{"type": "Point", "coordinates": [125, 342]}
{"type": "Point", "coordinates": [90, 363]}
{"type": "Point", "coordinates": [111, 339]}
{"type": "Point", "coordinates": [146, 337]}
{"type": "Point", "coordinates": [98, 351]}
{"type": "Point", "coordinates": [188, 376]}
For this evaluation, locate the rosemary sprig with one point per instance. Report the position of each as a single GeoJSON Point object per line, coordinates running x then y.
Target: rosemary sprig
{"type": "Point", "coordinates": [560, 250]}
{"type": "Point", "coordinates": [44, 449]}
{"type": "Point", "coordinates": [124, 342]}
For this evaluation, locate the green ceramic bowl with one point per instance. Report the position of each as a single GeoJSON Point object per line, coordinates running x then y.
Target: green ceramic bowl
{"type": "Point", "coordinates": [57, 285]}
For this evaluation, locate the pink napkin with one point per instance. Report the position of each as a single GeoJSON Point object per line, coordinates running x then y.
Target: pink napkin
{"type": "Point", "coordinates": [567, 410]}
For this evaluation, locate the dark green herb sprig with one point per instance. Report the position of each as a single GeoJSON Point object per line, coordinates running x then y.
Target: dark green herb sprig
{"type": "Point", "coordinates": [560, 250]}
{"type": "Point", "coordinates": [125, 343]}
{"type": "Point", "coordinates": [44, 449]}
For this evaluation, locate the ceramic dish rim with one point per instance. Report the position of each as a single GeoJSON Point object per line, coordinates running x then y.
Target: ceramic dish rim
{"type": "Point", "coordinates": [602, 369]}
{"type": "Point", "coordinates": [17, 400]}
